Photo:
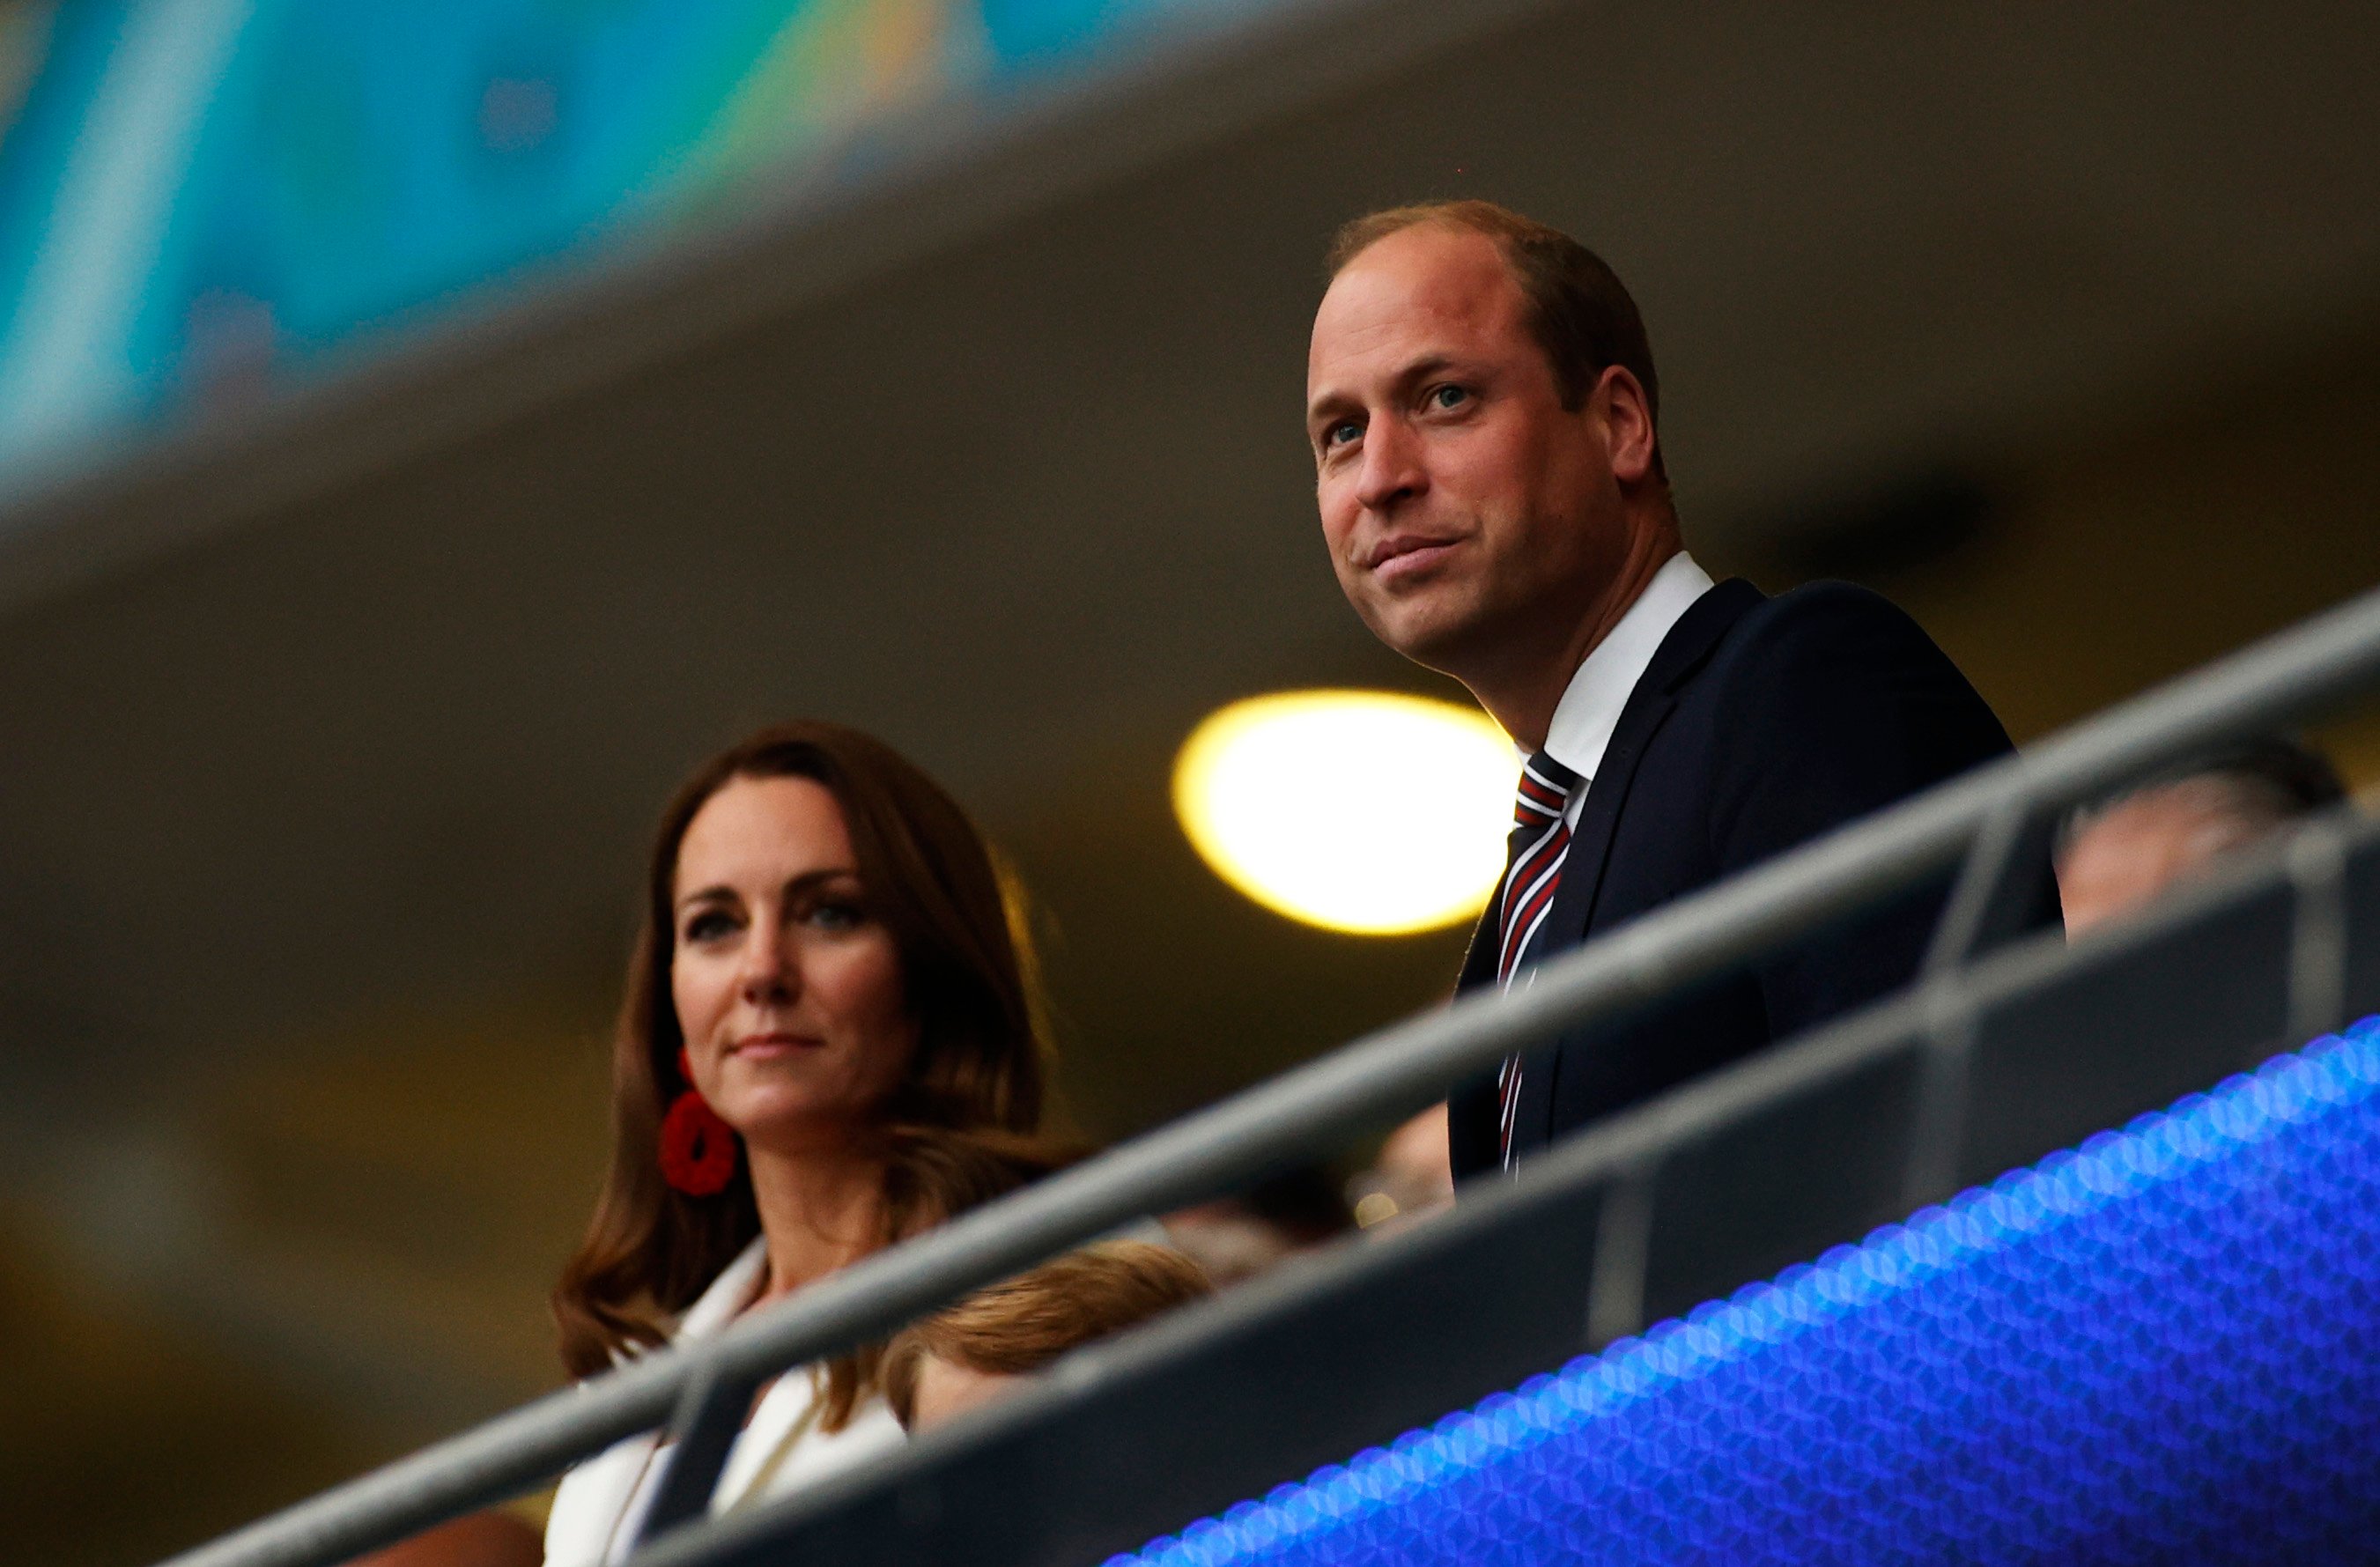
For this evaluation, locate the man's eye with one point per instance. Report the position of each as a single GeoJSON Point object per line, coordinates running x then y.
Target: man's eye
{"type": "Point", "coordinates": [1339, 434]}
{"type": "Point", "coordinates": [1448, 397]}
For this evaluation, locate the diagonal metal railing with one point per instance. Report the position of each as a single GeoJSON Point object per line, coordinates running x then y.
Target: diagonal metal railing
{"type": "Point", "coordinates": [1664, 1212]}
{"type": "Point", "coordinates": [1984, 818]}
{"type": "Point", "coordinates": [1655, 1213]}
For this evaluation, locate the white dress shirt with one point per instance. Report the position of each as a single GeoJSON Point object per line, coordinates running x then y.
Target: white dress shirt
{"type": "Point", "coordinates": [600, 1502]}
{"type": "Point", "coordinates": [1591, 704]}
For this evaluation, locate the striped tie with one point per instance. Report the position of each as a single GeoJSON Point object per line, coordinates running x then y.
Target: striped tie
{"type": "Point", "coordinates": [1540, 839]}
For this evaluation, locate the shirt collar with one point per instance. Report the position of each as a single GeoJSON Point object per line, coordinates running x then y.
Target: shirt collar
{"type": "Point", "coordinates": [1590, 707]}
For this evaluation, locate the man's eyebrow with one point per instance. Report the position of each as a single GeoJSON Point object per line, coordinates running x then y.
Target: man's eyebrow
{"type": "Point", "coordinates": [1328, 404]}
{"type": "Point", "coordinates": [1331, 399]}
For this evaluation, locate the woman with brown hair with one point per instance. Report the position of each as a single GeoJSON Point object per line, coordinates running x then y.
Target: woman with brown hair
{"type": "Point", "coordinates": [830, 1040]}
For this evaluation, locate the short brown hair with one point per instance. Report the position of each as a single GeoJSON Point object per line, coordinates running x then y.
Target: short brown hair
{"type": "Point", "coordinates": [1023, 1324]}
{"type": "Point", "coordinates": [1580, 312]}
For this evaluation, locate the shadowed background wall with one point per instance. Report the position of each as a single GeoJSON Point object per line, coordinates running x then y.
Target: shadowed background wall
{"type": "Point", "coordinates": [323, 821]}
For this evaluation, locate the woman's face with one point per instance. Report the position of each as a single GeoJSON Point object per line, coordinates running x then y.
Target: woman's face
{"type": "Point", "coordinates": [787, 989]}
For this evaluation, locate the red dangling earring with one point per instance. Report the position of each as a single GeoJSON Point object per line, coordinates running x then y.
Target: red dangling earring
{"type": "Point", "coordinates": [698, 1148]}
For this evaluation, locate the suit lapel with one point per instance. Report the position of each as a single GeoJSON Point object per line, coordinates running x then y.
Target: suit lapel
{"type": "Point", "coordinates": [1479, 957]}
{"type": "Point", "coordinates": [1471, 1126]}
{"type": "Point", "coordinates": [1572, 919]}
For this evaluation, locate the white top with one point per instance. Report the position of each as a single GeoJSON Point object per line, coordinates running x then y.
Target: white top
{"type": "Point", "coordinates": [599, 1502]}
{"type": "Point", "coordinates": [1590, 707]}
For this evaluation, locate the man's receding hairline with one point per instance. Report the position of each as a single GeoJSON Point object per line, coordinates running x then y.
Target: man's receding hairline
{"type": "Point", "coordinates": [1444, 224]}
{"type": "Point", "coordinates": [1524, 307]}
{"type": "Point", "coordinates": [1575, 305]}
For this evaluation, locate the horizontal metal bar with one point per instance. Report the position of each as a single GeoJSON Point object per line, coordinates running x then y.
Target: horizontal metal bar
{"type": "Point", "coordinates": [1553, 1213]}
{"type": "Point", "coordinates": [953, 1497]}
{"type": "Point", "coordinates": [1355, 1088]}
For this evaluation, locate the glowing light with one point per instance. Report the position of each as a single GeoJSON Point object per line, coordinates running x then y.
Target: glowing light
{"type": "Point", "coordinates": [1355, 810]}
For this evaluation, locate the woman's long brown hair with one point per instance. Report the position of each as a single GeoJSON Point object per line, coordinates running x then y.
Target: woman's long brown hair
{"type": "Point", "coordinates": [961, 1128]}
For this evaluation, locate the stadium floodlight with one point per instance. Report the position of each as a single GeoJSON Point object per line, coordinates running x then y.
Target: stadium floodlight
{"type": "Point", "coordinates": [1366, 811]}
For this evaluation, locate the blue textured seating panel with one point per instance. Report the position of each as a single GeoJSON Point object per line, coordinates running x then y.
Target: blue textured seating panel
{"type": "Point", "coordinates": [2164, 1345]}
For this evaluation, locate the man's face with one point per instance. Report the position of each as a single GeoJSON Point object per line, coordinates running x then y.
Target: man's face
{"type": "Point", "coordinates": [2125, 858]}
{"type": "Point", "coordinates": [1472, 520]}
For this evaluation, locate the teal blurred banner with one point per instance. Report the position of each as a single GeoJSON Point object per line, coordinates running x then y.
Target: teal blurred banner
{"type": "Point", "coordinates": [205, 200]}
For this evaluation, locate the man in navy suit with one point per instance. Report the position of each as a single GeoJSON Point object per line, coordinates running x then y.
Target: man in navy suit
{"type": "Point", "coordinates": [1482, 405]}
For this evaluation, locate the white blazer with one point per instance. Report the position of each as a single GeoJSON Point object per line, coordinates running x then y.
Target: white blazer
{"type": "Point", "coordinates": [600, 1502]}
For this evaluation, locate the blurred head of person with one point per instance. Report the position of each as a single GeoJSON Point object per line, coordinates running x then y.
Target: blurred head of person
{"type": "Point", "coordinates": [1480, 403]}
{"type": "Point", "coordinates": [833, 962]}
{"type": "Point", "coordinates": [970, 1353]}
{"type": "Point", "coordinates": [1412, 1175]}
{"type": "Point", "coordinates": [1237, 1237]}
{"type": "Point", "coordinates": [2118, 854]}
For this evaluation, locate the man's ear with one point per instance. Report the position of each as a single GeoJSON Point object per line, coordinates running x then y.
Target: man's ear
{"type": "Point", "coordinates": [1627, 423]}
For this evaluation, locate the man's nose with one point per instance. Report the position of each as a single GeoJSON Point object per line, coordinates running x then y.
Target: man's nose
{"type": "Point", "coordinates": [1391, 470]}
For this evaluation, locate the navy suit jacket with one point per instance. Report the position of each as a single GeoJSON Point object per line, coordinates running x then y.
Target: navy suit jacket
{"type": "Point", "coordinates": [1760, 723]}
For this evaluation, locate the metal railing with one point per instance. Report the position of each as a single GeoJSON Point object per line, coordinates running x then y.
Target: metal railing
{"type": "Point", "coordinates": [1658, 1211]}
{"type": "Point", "coordinates": [1986, 818]}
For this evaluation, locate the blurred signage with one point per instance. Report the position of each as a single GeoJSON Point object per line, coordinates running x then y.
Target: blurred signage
{"type": "Point", "coordinates": [201, 199]}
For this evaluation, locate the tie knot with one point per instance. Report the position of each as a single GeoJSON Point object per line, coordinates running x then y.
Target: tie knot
{"type": "Point", "coordinates": [1544, 792]}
